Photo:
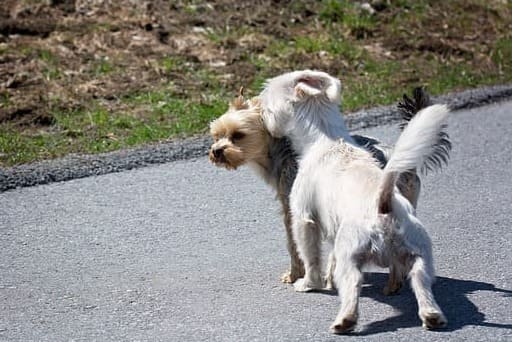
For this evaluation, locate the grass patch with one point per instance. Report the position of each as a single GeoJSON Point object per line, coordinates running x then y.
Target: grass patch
{"type": "Point", "coordinates": [169, 116]}
{"type": "Point", "coordinates": [47, 57]}
{"type": "Point", "coordinates": [374, 86]}
{"type": "Point", "coordinates": [103, 66]}
{"type": "Point", "coordinates": [171, 64]}
{"type": "Point", "coordinates": [5, 100]}
{"type": "Point", "coordinates": [502, 55]}
{"type": "Point", "coordinates": [334, 45]}
{"type": "Point", "coordinates": [50, 70]}
{"type": "Point", "coordinates": [98, 130]}
{"type": "Point", "coordinates": [350, 15]}
{"type": "Point", "coordinates": [17, 147]}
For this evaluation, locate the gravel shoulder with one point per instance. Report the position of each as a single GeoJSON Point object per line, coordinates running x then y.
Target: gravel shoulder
{"type": "Point", "coordinates": [80, 166]}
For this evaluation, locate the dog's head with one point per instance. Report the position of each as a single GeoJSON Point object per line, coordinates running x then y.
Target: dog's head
{"type": "Point", "coordinates": [239, 135]}
{"type": "Point", "coordinates": [284, 95]}
{"type": "Point", "coordinates": [305, 107]}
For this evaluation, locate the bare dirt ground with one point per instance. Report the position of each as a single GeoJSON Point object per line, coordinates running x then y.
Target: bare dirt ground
{"type": "Point", "coordinates": [61, 55]}
{"type": "Point", "coordinates": [83, 38]}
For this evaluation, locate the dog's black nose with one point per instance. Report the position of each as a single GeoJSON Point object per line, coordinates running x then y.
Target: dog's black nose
{"type": "Point", "coordinates": [217, 152]}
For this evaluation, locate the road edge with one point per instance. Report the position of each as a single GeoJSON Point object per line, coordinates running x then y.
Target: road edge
{"type": "Point", "coordinates": [80, 166]}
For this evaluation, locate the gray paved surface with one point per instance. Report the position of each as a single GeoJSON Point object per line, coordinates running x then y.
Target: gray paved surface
{"type": "Point", "coordinates": [188, 252]}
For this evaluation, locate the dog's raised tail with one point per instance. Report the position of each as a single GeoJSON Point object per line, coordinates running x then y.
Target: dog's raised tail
{"type": "Point", "coordinates": [408, 108]}
{"type": "Point", "coordinates": [414, 146]}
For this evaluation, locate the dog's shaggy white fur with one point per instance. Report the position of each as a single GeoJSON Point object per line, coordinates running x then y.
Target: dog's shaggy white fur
{"type": "Point", "coordinates": [341, 194]}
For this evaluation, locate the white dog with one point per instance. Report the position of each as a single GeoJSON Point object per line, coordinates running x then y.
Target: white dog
{"type": "Point", "coordinates": [341, 194]}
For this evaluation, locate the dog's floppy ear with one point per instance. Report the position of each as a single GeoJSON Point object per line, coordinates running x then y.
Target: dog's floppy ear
{"type": "Point", "coordinates": [308, 86]}
{"type": "Point", "coordinates": [316, 83]}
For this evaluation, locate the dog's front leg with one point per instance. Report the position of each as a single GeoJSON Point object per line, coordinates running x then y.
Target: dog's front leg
{"type": "Point", "coordinates": [296, 265]}
{"type": "Point", "coordinates": [307, 236]}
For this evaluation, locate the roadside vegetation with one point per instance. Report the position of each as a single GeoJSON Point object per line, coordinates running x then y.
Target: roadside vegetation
{"type": "Point", "coordinates": [88, 77]}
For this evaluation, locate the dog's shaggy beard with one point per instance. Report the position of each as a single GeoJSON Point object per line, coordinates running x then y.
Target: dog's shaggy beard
{"type": "Point", "coordinates": [231, 159]}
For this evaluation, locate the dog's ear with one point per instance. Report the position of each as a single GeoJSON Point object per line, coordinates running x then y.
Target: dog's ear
{"type": "Point", "coordinates": [317, 83]}
{"type": "Point", "coordinates": [308, 86]}
{"type": "Point", "coordinates": [239, 102]}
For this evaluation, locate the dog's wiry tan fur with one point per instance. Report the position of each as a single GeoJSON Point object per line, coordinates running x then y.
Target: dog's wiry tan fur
{"type": "Point", "coordinates": [239, 134]}
{"type": "Point", "coordinates": [240, 138]}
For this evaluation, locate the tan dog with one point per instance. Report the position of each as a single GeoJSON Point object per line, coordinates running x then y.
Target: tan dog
{"type": "Point", "coordinates": [240, 138]}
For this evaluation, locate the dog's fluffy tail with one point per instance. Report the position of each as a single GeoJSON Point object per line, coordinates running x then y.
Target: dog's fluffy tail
{"type": "Point", "coordinates": [408, 108]}
{"type": "Point", "coordinates": [415, 145]}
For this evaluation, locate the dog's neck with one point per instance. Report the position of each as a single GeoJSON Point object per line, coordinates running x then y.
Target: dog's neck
{"type": "Point", "coordinates": [261, 163]}
{"type": "Point", "coordinates": [281, 160]}
{"type": "Point", "coordinates": [317, 121]}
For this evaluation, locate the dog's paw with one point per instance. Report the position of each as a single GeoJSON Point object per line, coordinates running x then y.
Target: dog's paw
{"type": "Point", "coordinates": [302, 285]}
{"type": "Point", "coordinates": [433, 320]}
{"type": "Point", "coordinates": [344, 326]}
{"type": "Point", "coordinates": [292, 275]}
{"type": "Point", "coordinates": [288, 277]}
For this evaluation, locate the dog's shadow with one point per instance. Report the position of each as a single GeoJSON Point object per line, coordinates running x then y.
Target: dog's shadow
{"type": "Point", "coordinates": [450, 294]}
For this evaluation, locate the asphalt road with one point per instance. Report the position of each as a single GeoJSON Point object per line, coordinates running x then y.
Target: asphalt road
{"type": "Point", "coordinates": [188, 252]}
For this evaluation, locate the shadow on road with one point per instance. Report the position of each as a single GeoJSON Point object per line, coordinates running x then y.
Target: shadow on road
{"type": "Point", "coordinates": [451, 294]}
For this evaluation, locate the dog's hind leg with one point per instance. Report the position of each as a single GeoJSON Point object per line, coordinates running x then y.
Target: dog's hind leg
{"type": "Point", "coordinates": [308, 238]}
{"type": "Point", "coordinates": [329, 276]}
{"type": "Point", "coordinates": [421, 276]}
{"type": "Point", "coordinates": [409, 185]}
{"type": "Point", "coordinates": [348, 279]}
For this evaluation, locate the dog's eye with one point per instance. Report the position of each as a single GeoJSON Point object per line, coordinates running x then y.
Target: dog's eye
{"type": "Point", "coordinates": [237, 136]}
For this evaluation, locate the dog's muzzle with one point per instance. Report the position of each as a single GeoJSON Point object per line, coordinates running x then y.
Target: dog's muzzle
{"type": "Point", "coordinates": [218, 152]}
{"type": "Point", "coordinates": [217, 155]}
